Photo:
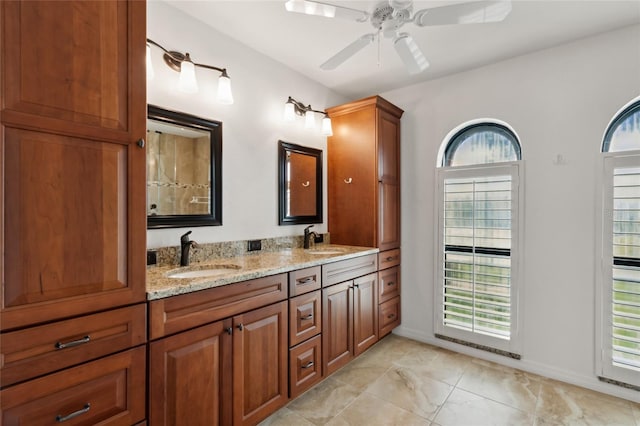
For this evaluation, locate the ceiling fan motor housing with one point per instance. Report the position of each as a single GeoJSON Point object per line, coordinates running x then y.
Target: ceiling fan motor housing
{"type": "Point", "coordinates": [388, 20]}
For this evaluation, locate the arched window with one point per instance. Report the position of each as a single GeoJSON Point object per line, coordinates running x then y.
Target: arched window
{"type": "Point", "coordinates": [482, 143]}
{"type": "Point", "coordinates": [618, 354]}
{"type": "Point", "coordinates": [478, 243]}
{"type": "Point", "coordinates": [623, 133]}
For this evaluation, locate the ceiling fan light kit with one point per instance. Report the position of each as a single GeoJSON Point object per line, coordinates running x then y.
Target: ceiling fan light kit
{"type": "Point", "coordinates": [390, 15]}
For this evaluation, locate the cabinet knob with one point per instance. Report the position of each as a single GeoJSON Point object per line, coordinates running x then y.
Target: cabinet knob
{"type": "Point", "coordinates": [140, 143]}
{"type": "Point", "coordinates": [60, 418]}
{"type": "Point", "coordinates": [240, 327]}
{"type": "Point", "coordinates": [229, 330]}
{"type": "Point", "coordinates": [60, 345]}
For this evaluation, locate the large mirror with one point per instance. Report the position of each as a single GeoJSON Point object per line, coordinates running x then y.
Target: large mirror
{"type": "Point", "coordinates": [300, 184]}
{"type": "Point", "coordinates": [184, 170]}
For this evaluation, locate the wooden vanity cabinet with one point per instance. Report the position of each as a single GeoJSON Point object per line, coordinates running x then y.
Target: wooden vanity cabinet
{"type": "Point", "coordinates": [73, 235]}
{"type": "Point", "coordinates": [220, 355]}
{"type": "Point", "coordinates": [350, 310]}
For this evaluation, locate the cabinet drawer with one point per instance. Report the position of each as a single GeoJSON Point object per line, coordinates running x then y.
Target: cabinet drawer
{"type": "Point", "coordinates": [37, 351]}
{"type": "Point", "coordinates": [110, 391]}
{"type": "Point", "coordinates": [178, 313]}
{"type": "Point", "coordinates": [389, 258]}
{"type": "Point", "coordinates": [305, 366]}
{"type": "Point", "coordinates": [389, 283]}
{"type": "Point", "coordinates": [344, 270]}
{"type": "Point", "coordinates": [389, 319]}
{"type": "Point", "coordinates": [305, 319]}
{"type": "Point", "coordinates": [304, 281]}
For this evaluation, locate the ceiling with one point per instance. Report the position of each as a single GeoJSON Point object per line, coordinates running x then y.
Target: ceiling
{"type": "Point", "coordinates": [303, 42]}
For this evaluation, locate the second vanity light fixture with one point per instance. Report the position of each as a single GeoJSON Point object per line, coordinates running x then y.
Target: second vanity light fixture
{"type": "Point", "coordinates": [293, 108]}
{"type": "Point", "coordinates": [187, 82]}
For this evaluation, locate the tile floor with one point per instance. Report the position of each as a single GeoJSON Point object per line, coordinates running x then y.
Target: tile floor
{"type": "Point", "coordinates": [403, 382]}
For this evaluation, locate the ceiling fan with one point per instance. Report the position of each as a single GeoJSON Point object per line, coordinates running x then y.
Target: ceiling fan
{"type": "Point", "coordinates": [390, 15]}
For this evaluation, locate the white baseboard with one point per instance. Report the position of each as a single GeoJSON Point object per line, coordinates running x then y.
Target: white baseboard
{"type": "Point", "coordinates": [589, 382]}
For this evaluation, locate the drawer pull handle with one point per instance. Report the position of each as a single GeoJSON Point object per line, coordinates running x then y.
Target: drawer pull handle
{"type": "Point", "coordinates": [240, 327]}
{"type": "Point", "coordinates": [85, 409]}
{"type": "Point", "coordinates": [391, 283]}
{"type": "Point", "coordinates": [305, 280]}
{"type": "Point", "coordinates": [308, 365]}
{"type": "Point", "coordinates": [390, 316]}
{"type": "Point", "coordinates": [60, 345]}
{"type": "Point", "coordinates": [307, 317]}
{"type": "Point", "coordinates": [348, 181]}
{"type": "Point", "coordinates": [390, 258]}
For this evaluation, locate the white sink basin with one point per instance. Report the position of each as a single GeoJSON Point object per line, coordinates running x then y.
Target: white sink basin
{"type": "Point", "coordinates": [202, 271]}
{"type": "Point", "coordinates": [325, 251]}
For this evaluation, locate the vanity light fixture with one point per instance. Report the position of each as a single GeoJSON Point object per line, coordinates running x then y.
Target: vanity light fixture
{"type": "Point", "coordinates": [187, 82]}
{"type": "Point", "coordinates": [293, 108]}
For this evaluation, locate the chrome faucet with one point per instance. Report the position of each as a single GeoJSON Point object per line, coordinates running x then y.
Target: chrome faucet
{"type": "Point", "coordinates": [309, 237]}
{"type": "Point", "coordinates": [185, 246]}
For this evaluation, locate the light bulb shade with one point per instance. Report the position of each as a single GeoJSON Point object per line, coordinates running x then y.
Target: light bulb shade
{"type": "Point", "coordinates": [150, 73]}
{"type": "Point", "coordinates": [289, 112]}
{"type": "Point", "coordinates": [326, 126]}
{"type": "Point", "coordinates": [309, 120]}
{"type": "Point", "coordinates": [225, 96]}
{"type": "Point", "coordinates": [187, 82]}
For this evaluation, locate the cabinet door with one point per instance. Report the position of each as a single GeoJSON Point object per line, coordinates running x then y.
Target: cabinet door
{"type": "Point", "coordinates": [75, 67]}
{"type": "Point", "coordinates": [260, 367]}
{"type": "Point", "coordinates": [337, 326]}
{"type": "Point", "coordinates": [190, 377]}
{"type": "Point", "coordinates": [365, 312]}
{"type": "Point", "coordinates": [388, 180]}
{"type": "Point", "coordinates": [74, 193]}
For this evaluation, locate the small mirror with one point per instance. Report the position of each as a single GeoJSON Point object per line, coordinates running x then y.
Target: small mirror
{"type": "Point", "coordinates": [300, 176]}
{"type": "Point", "coordinates": [184, 170]}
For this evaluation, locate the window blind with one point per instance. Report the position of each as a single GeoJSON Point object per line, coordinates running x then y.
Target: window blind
{"type": "Point", "coordinates": [477, 254]}
{"type": "Point", "coordinates": [625, 289]}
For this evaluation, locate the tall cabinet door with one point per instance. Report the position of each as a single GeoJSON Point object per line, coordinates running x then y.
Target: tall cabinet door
{"type": "Point", "coordinates": [190, 377]}
{"type": "Point", "coordinates": [74, 175]}
{"type": "Point", "coordinates": [337, 326]}
{"type": "Point", "coordinates": [365, 312]}
{"type": "Point", "coordinates": [260, 367]}
{"type": "Point", "coordinates": [388, 180]}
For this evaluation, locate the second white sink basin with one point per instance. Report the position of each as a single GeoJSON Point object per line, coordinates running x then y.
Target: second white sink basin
{"type": "Point", "coordinates": [202, 271]}
{"type": "Point", "coordinates": [325, 251]}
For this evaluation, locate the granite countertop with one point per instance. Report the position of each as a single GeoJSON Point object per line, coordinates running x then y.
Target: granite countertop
{"type": "Point", "coordinates": [245, 267]}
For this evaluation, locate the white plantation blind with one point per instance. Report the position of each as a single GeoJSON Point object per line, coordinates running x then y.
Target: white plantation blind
{"type": "Point", "coordinates": [625, 269]}
{"type": "Point", "coordinates": [477, 254]}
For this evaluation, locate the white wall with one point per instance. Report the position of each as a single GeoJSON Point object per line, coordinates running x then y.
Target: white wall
{"type": "Point", "coordinates": [251, 126]}
{"type": "Point", "coordinates": [559, 101]}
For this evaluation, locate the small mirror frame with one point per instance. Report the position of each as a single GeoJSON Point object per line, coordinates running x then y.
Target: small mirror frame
{"type": "Point", "coordinates": [214, 128]}
{"type": "Point", "coordinates": [283, 147]}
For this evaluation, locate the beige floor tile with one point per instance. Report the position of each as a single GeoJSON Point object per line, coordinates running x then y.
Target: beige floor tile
{"type": "Point", "coordinates": [360, 374]}
{"type": "Point", "coordinates": [572, 405]}
{"type": "Point", "coordinates": [285, 417]}
{"type": "Point", "coordinates": [412, 389]}
{"type": "Point", "coordinates": [391, 348]}
{"type": "Point", "coordinates": [636, 411]}
{"type": "Point", "coordinates": [324, 401]}
{"type": "Point", "coordinates": [445, 366]}
{"type": "Point", "coordinates": [372, 411]}
{"type": "Point", "coordinates": [467, 409]}
{"type": "Point", "coordinates": [506, 385]}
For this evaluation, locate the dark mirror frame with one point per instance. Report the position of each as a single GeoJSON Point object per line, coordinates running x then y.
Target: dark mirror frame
{"type": "Point", "coordinates": [214, 128]}
{"type": "Point", "coordinates": [283, 219]}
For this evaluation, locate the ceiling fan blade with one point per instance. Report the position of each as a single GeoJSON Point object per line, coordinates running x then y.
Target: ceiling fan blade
{"type": "Point", "coordinates": [347, 52]}
{"type": "Point", "coordinates": [311, 7]}
{"type": "Point", "coordinates": [410, 53]}
{"type": "Point", "coordinates": [480, 12]}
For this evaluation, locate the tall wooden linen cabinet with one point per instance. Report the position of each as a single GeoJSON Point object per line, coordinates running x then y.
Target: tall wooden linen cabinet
{"type": "Point", "coordinates": [363, 157]}
{"type": "Point", "coordinates": [72, 306]}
